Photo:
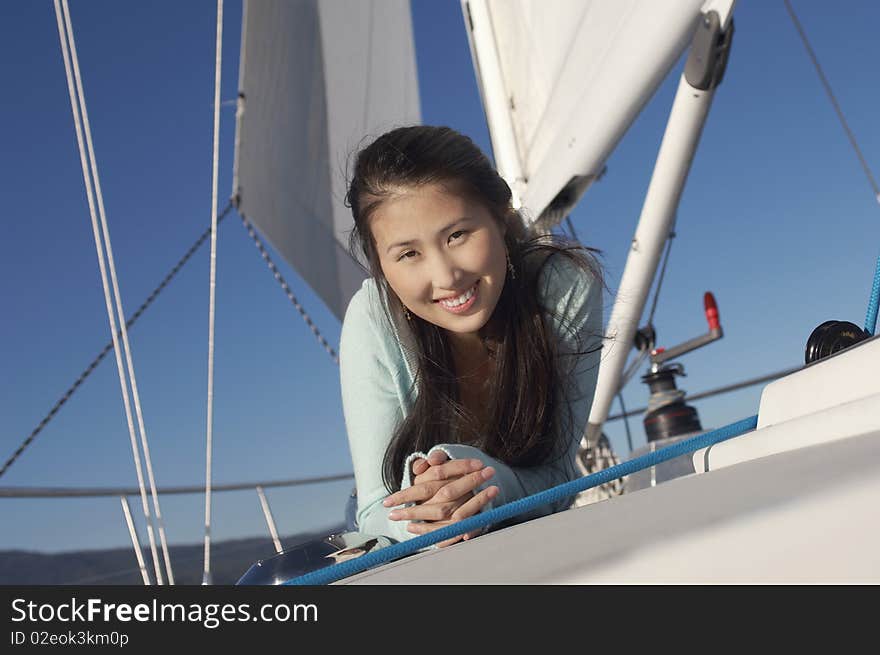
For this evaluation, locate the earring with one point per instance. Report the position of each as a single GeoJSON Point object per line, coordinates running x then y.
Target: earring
{"type": "Point", "coordinates": [510, 268]}
{"type": "Point", "coordinates": [407, 314]}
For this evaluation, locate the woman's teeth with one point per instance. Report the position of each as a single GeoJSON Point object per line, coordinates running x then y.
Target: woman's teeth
{"type": "Point", "coordinates": [462, 299]}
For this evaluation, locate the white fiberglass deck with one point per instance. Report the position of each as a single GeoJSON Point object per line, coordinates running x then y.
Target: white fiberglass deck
{"type": "Point", "coordinates": [803, 516]}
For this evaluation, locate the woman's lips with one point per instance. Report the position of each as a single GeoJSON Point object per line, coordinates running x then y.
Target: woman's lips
{"type": "Point", "coordinates": [460, 309]}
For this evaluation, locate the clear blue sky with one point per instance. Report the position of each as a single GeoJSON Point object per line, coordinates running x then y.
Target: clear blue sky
{"type": "Point", "coordinates": [777, 220]}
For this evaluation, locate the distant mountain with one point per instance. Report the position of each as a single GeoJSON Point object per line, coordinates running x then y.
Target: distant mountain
{"type": "Point", "coordinates": [118, 566]}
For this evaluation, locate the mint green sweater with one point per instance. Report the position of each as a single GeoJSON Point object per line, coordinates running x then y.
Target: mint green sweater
{"type": "Point", "coordinates": [377, 366]}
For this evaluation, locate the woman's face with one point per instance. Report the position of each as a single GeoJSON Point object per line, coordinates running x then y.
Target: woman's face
{"type": "Point", "coordinates": [443, 254]}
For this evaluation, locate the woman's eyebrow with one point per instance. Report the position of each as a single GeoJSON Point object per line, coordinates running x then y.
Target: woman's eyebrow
{"type": "Point", "coordinates": [443, 229]}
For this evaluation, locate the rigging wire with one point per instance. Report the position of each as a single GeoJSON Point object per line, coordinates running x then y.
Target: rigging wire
{"type": "Point", "coordinates": [118, 298]}
{"type": "Point", "coordinates": [669, 240]}
{"type": "Point", "coordinates": [65, 31]}
{"type": "Point", "coordinates": [713, 392]}
{"type": "Point", "coordinates": [871, 319]}
{"type": "Point", "coordinates": [95, 492]}
{"type": "Point", "coordinates": [277, 274]}
{"type": "Point", "coordinates": [629, 439]}
{"type": "Point", "coordinates": [109, 346]}
{"type": "Point", "coordinates": [149, 301]}
{"type": "Point", "coordinates": [135, 542]}
{"type": "Point", "coordinates": [643, 352]}
{"type": "Point", "coordinates": [227, 548]}
{"type": "Point", "coordinates": [571, 228]}
{"type": "Point", "coordinates": [206, 578]}
{"type": "Point", "coordinates": [629, 372]}
{"type": "Point", "coordinates": [270, 520]}
{"type": "Point", "coordinates": [830, 93]}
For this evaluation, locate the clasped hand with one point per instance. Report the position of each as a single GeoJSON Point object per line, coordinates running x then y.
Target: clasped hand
{"type": "Point", "coordinates": [444, 493]}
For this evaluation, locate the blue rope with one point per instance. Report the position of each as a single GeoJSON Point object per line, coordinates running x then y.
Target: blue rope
{"type": "Point", "coordinates": [554, 494]}
{"type": "Point", "coordinates": [871, 319]}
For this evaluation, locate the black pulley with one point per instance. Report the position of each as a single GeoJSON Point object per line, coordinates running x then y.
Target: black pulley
{"type": "Point", "coordinates": [645, 338]}
{"type": "Point", "coordinates": [831, 337]}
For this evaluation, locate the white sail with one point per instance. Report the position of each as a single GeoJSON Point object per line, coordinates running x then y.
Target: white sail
{"type": "Point", "coordinates": [562, 81]}
{"type": "Point", "coordinates": [315, 77]}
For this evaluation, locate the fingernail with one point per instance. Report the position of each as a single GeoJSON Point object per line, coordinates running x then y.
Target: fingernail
{"type": "Point", "coordinates": [387, 502]}
{"type": "Point", "coordinates": [394, 515]}
{"type": "Point", "coordinates": [488, 472]}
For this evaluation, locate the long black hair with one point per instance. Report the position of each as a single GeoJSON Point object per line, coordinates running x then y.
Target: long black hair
{"type": "Point", "coordinates": [525, 426]}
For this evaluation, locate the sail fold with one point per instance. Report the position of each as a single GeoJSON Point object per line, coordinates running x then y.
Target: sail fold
{"type": "Point", "coordinates": [573, 75]}
{"type": "Point", "coordinates": [316, 78]}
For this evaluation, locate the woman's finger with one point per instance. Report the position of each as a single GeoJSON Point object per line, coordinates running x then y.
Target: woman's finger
{"type": "Point", "coordinates": [437, 457]}
{"type": "Point", "coordinates": [419, 466]}
{"type": "Point", "coordinates": [421, 478]}
{"type": "Point", "coordinates": [463, 486]}
{"type": "Point", "coordinates": [425, 528]}
{"type": "Point", "coordinates": [427, 490]}
{"type": "Point", "coordinates": [451, 469]}
{"type": "Point", "coordinates": [475, 504]}
{"type": "Point", "coordinates": [449, 542]}
{"type": "Point", "coordinates": [466, 510]}
{"type": "Point", "coordinates": [415, 494]}
{"type": "Point", "coordinates": [424, 512]}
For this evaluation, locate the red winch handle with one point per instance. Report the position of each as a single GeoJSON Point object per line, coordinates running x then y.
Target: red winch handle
{"type": "Point", "coordinates": [711, 311]}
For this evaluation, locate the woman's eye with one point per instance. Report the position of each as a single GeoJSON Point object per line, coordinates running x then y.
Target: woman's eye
{"type": "Point", "coordinates": [409, 254]}
{"type": "Point", "coordinates": [456, 235]}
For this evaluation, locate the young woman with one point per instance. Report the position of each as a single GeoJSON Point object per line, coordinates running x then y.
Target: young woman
{"type": "Point", "coordinates": [469, 358]}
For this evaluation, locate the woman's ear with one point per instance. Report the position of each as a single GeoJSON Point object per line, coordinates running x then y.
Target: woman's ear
{"type": "Point", "coordinates": [504, 224]}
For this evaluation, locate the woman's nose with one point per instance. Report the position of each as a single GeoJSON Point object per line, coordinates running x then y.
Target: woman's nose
{"type": "Point", "coordinates": [445, 273]}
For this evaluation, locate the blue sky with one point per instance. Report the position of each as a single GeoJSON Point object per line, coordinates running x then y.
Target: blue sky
{"type": "Point", "coordinates": [777, 220]}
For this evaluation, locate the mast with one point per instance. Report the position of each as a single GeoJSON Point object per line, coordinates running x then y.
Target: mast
{"type": "Point", "coordinates": [696, 89]}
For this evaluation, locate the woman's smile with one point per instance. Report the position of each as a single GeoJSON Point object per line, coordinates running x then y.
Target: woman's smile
{"type": "Point", "coordinates": [462, 303]}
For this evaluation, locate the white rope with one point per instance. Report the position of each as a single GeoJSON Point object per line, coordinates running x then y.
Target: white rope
{"type": "Point", "coordinates": [206, 576]}
{"type": "Point", "coordinates": [134, 540]}
{"type": "Point", "coordinates": [69, 55]}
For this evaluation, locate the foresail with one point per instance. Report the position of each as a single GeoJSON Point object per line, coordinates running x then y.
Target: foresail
{"type": "Point", "coordinates": [315, 77]}
{"type": "Point", "coordinates": [562, 81]}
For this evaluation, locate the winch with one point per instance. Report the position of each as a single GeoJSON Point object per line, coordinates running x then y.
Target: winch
{"type": "Point", "coordinates": [668, 415]}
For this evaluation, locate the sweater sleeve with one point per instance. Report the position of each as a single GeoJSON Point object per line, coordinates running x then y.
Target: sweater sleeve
{"type": "Point", "coordinates": [372, 411]}
{"type": "Point", "coordinates": [573, 300]}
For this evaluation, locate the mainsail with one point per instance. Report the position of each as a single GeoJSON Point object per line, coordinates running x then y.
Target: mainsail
{"type": "Point", "coordinates": [562, 81]}
{"type": "Point", "coordinates": [315, 77]}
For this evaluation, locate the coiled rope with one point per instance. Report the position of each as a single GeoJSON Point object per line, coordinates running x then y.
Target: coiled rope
{"type": "Point", "coordinates": [554, 494]}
